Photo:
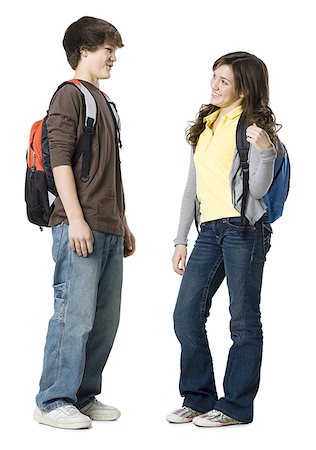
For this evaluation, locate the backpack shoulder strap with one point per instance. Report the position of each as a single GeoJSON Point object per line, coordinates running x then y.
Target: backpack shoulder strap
{"type": "Point", "coordinates": [90, 118]}
{"type": "Point", "coordinates": [241, 142]}
{"type": "Point", "coordinates": [243, 150]}
{"type": "Point", "coordinates": [84, 144]}
{"type": "Point", "coordinates": [116, 118]}
{"type": "Point", "coordinates": [90, 103]}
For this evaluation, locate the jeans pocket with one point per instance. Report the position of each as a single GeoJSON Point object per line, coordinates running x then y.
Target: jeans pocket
{"type": "Point", "coordinates": [60, 302]}
{"type": "Point", "coordinates": [266, 235]}
{"type": "Point", "coordinates": [235, 223]}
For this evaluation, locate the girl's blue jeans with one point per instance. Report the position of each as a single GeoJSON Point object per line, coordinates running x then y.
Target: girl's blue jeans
{"type": "Point", "coordinates": [222, 251]}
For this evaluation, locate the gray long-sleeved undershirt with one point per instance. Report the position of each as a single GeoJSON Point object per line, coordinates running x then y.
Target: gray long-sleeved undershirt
{"type": "Point", "coordinates": [261, 170]}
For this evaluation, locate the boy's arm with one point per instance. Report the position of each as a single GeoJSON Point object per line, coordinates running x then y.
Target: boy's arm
{"type": "Point", "coordinates": [80, 234]}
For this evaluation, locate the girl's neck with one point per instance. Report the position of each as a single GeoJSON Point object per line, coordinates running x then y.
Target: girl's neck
{"type": "Point", "coordinates": [227, 109]}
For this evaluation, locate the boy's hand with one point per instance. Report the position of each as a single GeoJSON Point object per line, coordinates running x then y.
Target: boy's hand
{"type": "Point", "coordinates": [80, 237]}
{"type": "Point", "coordinates": [129, 242]}
{"type": "Point", "coordinates": [79, 233]}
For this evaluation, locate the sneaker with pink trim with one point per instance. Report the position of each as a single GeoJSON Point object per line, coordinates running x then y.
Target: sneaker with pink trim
{"type": "Point", "coordinates": [182, 415]}
{"type": "Point", "coordinates": [214, 418]}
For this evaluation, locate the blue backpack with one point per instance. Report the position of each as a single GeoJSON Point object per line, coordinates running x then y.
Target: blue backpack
{"type": "Point", "coordinates": [279, 189]}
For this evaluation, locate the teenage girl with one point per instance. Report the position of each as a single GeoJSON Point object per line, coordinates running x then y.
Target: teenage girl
{"type": "Point", "coordinates": [224, 249]}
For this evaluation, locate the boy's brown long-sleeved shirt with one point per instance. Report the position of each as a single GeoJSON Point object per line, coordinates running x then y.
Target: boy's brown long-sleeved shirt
{"type": "Point", "coordinates": [101, 197]}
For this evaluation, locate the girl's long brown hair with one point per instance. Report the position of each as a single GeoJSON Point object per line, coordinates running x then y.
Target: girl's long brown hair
{"type": "Point", "coordinates": [251, 80]}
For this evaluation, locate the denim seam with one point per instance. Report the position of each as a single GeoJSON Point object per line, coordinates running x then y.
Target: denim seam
{"type": "Point", "coordinates": [60, 240]}
{"type": "Point", "coordinates": [206, 290]}
{"type": "Point", "coordinates": [104, 256]}
{"type": "Point", "coordinates": [237, 350]}
{"type": "Point", "coordinates": [61, 339]}
{"type": "Point", "coordinates": [253, 251]}
{"type": "Point", "coordinates": [266, 239]}
{"type": "Point", "coordinates": [58, 353]}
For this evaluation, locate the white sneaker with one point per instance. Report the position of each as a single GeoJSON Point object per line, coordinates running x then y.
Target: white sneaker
{"type": "Point", "coordinates": [182, 415]}
{"type": "Point", "coordinates": [214, 418]}
{"type": "Point", "coordinates": [98, 411]}
{"type": "Point", "coordinates": [67, 416]}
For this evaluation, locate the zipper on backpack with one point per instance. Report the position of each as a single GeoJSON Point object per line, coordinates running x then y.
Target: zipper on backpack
{"type": "Point", "coordinates": [33, 168]}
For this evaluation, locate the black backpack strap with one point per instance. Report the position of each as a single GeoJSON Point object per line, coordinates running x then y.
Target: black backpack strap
{"type": "Point", "coordinates": [84, 144]}
{"type": "Point", "coordinates": [84, 148]}
{"type": "Point", "coordinates": [243, 150]}
{"type": "Point", "coordinates": [116, 119]}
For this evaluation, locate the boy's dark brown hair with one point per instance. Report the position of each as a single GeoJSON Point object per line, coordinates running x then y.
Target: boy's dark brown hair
{"type": "Point", "coordinates": [88, 33]}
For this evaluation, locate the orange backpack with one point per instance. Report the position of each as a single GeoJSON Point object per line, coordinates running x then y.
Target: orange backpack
{"type": "Point", "coordinates": [40, 189]}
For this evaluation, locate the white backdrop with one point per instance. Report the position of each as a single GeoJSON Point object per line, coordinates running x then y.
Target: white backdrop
{"type": "Point", "coordinates": [158, 83]}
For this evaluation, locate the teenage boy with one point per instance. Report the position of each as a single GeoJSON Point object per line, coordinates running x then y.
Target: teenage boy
{"type": "Point", "coordinates": [90, 238]}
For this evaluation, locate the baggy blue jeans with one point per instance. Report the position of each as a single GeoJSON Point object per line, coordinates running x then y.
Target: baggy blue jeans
{"type": "Point", "coordinates": [221, 250]}
{"type": "Point", "coordinates": [82, 329]}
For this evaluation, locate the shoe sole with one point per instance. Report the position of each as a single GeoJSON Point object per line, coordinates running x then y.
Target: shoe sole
{"type": "Point", "coordinates": [102, 416]}
{"type": "Point", "coordinates": [215, 425]}
{"type": "Point", "coordinates": [176, 419]}
{"type": "Point", "coordinates": [68, 426]}
{"type": "Point", "coordinates": [103, 419]}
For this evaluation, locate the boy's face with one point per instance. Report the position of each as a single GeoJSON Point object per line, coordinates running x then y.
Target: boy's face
{"type": "Point", "coordinates": [99, 62]}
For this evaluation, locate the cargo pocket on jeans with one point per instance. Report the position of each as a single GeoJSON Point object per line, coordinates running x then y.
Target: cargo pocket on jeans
{"type": "Point", "coordinates": [266, 233]}
{"type": "Point", "coordinates": [60, 302]}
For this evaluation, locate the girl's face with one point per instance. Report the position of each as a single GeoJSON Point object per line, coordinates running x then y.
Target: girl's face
{"type": "Point", "coordinates": [224, 94]}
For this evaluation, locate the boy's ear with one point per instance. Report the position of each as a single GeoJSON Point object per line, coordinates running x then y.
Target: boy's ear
{"type": "Point", "coordinates": [242, 95]}
{"type": "Point", "coordinates": [83, 52]}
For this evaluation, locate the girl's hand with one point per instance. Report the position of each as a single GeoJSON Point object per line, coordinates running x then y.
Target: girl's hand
{"type": "Point", "coordinates": [259, 138]}
{"type": "Point", "coordinates": [179, 259]}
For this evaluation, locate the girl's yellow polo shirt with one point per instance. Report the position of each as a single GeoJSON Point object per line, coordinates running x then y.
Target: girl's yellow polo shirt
{"type": "Point", "coordinates": [213, 159]}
